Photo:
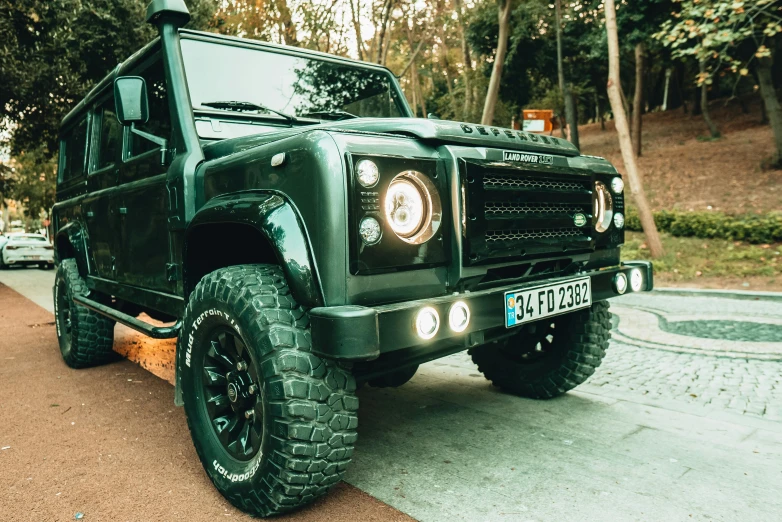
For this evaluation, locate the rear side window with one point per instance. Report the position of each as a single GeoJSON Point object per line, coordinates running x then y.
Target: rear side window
{"type": "Point", "coordinates": [110, 135]}
{"type": "Point", "coordinates": [75, 150]}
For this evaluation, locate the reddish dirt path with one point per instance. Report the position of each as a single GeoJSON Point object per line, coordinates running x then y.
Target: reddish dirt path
{"type": "Point", "coordinates": [108, 442]}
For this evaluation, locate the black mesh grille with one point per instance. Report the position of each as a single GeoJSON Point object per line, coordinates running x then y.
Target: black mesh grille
{"type": "Point", "coordinates": [518, 234]}
{"type": "Point", "coordinates": [502, 208]}
{"type": "Point", "coordinates": [524, 211]}
{"type": "Point", "coordinates": [520, 182]}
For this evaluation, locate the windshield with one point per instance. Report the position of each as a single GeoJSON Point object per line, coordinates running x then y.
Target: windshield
{"type": "Point", "coordinates": [27, 238]}
{"type": "Point", "coordinates": [292, 85]}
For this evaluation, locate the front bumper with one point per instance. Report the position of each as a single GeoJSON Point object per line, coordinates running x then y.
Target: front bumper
{"type": "Point", "coordinates": [357, 333]}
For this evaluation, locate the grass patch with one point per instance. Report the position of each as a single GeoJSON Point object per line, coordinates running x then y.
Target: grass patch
{"type": "Point", "coordinates": [693, 259]}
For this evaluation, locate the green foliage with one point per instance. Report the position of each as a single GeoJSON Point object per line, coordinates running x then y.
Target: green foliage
{"type": "Point", "coordinates": [713, 31]}
{"type": "Point", "coordinates": [34, 175]}
{"type": "Point", "coordinates": [752, 228]}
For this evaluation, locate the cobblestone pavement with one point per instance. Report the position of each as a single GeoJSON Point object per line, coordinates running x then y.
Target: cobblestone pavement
{"type": "Point", "coordinates": [683, 359]}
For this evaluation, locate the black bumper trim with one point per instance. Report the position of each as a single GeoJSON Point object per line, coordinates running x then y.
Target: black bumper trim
{"type": "Point", "coordinates": [363, 333]}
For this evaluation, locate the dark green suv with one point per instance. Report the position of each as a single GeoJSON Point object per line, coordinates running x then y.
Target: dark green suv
{"type": "Point", "coordinates": [300, 232]}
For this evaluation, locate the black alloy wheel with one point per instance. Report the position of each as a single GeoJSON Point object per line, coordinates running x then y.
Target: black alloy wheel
{"type": "Point", "coordinates": [538, 342]}
{"type": "Point", "coordinates": [232, 394]}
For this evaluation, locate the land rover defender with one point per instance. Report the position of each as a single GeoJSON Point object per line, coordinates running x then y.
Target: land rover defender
{"type": "Point", "coordinates": [290, 221]}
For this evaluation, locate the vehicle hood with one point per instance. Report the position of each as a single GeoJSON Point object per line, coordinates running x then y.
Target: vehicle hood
{"type": "Point", "coordinates": [433, 131]}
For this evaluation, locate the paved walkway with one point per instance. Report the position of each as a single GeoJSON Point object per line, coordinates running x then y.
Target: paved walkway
{"type": "Point", "coordinates": [675, 425]}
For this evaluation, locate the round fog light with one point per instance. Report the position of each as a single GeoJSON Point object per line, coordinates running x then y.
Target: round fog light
{"type": "Point", "coordinates": [459, 316]}
{"type": "Point", "coordinates": [367, 173]}
{"type": "Point", "coordinates": [620, 283]}
{"type": "Point", "coordinates": [619, 220]}
{"type": "Point", "coordinates": [636, 280]}
{"type": "Point", "coordinates": [369, 230]}
{"type": "Point", "coordinates": [427, 322]}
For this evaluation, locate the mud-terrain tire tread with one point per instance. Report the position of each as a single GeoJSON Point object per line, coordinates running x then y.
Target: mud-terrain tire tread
{"type": "Point", "coordinates": [314, 407]}
{"type": "Point", "coordinates": [586, 337]}
{"type": "Point", "coordinates": [92, 334]}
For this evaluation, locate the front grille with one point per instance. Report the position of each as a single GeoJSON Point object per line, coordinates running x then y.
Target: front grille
{"type": "Point", "coordinates": [507, 208]}
{"type": "Point", "coordinates": [516, 234]}
{"type": "Point", "coordinates": [493, 181]}
{"type": "Point", "coordinates": [524, 211]}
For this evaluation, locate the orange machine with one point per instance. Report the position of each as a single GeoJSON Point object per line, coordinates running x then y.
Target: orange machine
{"type": "Point", "coordinates": [538, 120]}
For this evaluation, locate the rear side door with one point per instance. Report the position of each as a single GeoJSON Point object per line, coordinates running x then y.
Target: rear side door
{"type": "Point", "coordinates": [143, 209]}
{"type": "Point", "coordinates": [100, 206]}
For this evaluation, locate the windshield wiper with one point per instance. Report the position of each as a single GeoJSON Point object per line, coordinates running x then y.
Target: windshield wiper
{"type": "Point", "coordinates": [242, 106]}
{"type": "Point", "coordinates": [337, 114]}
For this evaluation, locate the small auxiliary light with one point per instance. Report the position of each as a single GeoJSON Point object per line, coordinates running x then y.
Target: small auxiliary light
{"type": "Point", "coordinates": [427, 322]}
{"type": "Point", "coordinates": [459, 316]}
{"type": "Point", "coordinates": [620, 283]}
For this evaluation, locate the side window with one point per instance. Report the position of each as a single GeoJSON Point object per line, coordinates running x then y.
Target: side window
{"type": "Point", "coordinates": [75, 149]}
{"type": "Point", "coordinates": [110, 135]}
{"type": "Point", "coordinates": [159, 122]}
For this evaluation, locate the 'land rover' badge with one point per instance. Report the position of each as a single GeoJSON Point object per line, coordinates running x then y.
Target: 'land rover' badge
{"type": "Point", "coordinates": [579, 219]}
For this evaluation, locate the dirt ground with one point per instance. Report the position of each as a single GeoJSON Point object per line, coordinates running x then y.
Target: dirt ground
{"type": "Point", "coordinates": [108, 442]}
{"type": "Point", "coordinates": [682, 170]}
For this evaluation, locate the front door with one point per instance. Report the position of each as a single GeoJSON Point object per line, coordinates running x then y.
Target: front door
{"type": "Point", "coordinates": [100, 206]}
{"type": "Point", "coordinates": [143, 207]}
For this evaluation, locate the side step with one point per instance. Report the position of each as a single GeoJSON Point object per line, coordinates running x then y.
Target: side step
{"type": "Point", "coordinates": [156, 332]}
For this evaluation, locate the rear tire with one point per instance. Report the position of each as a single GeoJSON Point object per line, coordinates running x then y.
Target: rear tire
{"type": "Point", "coordinates": [287, 435]}
{"type": "Point", "coordinates": [86, 337]}
{"type": "Point", "coordinates": [532, 365]}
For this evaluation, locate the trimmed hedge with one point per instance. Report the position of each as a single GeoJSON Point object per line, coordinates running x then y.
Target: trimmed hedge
{"type": "Point", "coordinates": [752, 228]}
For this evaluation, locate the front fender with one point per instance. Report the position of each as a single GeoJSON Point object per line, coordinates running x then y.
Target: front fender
{"type": "Point", "coordinates": [276, 218]}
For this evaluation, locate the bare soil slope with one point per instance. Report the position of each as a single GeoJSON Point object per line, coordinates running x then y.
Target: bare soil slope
{"type": "Point", "coordinates": [684, 172]}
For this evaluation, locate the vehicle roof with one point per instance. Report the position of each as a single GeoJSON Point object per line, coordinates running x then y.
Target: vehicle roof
{"type": "Point", "coordinates": [99, 88]}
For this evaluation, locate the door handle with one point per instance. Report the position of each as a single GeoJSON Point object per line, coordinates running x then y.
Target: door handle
{"type": "Point", "coordinates": [123, 210]}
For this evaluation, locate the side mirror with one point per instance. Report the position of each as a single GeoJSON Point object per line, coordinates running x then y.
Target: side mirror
{"type": "Point", "coordinates": [130, 100]}
{"type": "Point", "coordinates": [432, 116]}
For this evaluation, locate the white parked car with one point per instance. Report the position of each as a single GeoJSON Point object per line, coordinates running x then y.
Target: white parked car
{"type": "Point", "coordinates": [26, 249]}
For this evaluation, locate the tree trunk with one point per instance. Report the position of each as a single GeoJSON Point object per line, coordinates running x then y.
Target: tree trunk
{"type": "Point", "coordinates": [715, 133]}
{"type": "Point", "coordinates": [620, 118]}
{"type": "Point", "coordinates": [599, 108]}
{"type": "Point", "coordinates": [467, 70]}
{"type": "Point", "coordinates": [668, 72]}
{"type": "Point", "coordinates": [493, 91]}
{"type": "Point", "coordinates": [565, 90]}
{"type": "Point", "coordinates": [382, 31]}
{"type": "Point", "coordinates": [771, 103]}
{"type": "Point", "coordinates": [357, 28]}
{"type": "Point", "coordinates": [286, 21]}
{"type": "Point", "coordinates": [638, 99]}
{"type": "Point", "coordinates": [571, 114]}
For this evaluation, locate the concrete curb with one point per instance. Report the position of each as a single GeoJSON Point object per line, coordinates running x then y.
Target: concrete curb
{"type": "Point", "coordinates": [727, 294]}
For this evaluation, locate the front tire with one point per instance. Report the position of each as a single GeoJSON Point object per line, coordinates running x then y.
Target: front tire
{"type": "Point", "coordinates": [560, 354]}
{"type": "Point", "coordinates": [86, 337]}
{"type": "Point", "coordinates": [273, 424]}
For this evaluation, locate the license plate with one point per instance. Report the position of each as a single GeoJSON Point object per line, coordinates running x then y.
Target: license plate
{"type": "Point", "coordinates": [33, 257]}
{"type": "Point", "coordinates": [523, 306]}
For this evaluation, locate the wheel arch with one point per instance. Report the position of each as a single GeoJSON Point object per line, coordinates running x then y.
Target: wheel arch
{"type": "Point", "coordinates": [69, 243]}
{"type": "Point", "coordinates": [249, 228]}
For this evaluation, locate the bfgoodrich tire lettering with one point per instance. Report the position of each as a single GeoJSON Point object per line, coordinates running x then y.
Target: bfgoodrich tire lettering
{"type": "Point", "coordinates": [308, 403]}
{"type": "Point", "coordinates": [85, 337]}
{"type": "Point", "coordinates": [573, 346]}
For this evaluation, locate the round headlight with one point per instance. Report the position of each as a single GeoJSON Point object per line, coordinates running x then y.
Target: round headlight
{"type": "Point", "coordinates": [412, 207]}
{"type": "Point", "coordinates": [369, 230]}
{"type": "Point", "coordinates": [619, 220]}
{"type": "Point", "coordinates": [367, 173]}
{"type": "Point", "coordinates": [603, 207]}
{"type": "Point", "coordinates": [617, 185]}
